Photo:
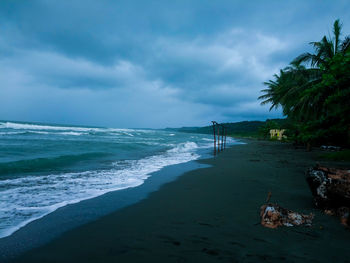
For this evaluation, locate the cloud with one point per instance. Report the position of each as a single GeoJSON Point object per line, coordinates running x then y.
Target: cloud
{"type": "Point", "coordinates": [220, 70]}
{"type": "Point", "coordinates": [152, 63]}
{"type": "Point", "coordinates": [122, 93]}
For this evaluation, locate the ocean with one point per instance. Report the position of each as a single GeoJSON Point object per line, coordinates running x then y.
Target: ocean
{"type": "Point", "coordinates": [44, 167]}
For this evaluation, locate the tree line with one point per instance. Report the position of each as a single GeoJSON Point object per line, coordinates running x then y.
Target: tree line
{"type": "Point", "coordinates": [314, 92]}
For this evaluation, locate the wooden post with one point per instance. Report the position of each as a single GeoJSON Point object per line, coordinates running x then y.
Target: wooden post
{"type": "Point", "coordinates": [222, 137]}
{"type": "Point", "coordinates": [218, 137]}
{"type": "Point", "coordinates": [214, 137]}
{"type": "Point", "coordinates": [221, 141]}
{"type": "Point", "coordinates": [225, 138]}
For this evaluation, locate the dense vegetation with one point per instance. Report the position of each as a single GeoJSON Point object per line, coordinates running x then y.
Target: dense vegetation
{"type": "Point", "coordinates": [314, 92]}
{"type": "Point", "coordinates": [243, 128]}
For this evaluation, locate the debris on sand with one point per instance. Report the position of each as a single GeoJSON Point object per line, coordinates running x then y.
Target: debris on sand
{"type": "Point", "coordinates": [330, 148]}
{"type": "Point", "coordinates": [273, 216]}
{"type": "Point", "coordinates": [342, 212]}
{"type": "Point", "coordinates": [330, 188]}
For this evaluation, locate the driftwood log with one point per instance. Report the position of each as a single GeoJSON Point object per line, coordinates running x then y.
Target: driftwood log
{"type": "Point", "coordinates": [273, 216]}
{"type": "Point", "coordinates": [330, 188]}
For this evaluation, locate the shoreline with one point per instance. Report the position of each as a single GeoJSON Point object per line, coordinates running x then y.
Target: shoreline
{"type": "Point", "coordinates": [210, 215]}
{"type": "Point", "coordinates": [42, 230]}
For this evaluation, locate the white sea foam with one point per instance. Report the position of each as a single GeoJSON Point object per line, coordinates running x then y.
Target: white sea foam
{"type": "Point", "coordinates": [39, 132]}
{"type": "Point", "coordinates": [10, 133]}
{"type": "Point", "coordinates": [25, 199]}
{"type": "Point", "coordinates": [71, 133]}
{"type": "Point", "coordinates": [23, 132]}
{"type": "Point", "coordinates": [129, 134]}
{"type": "Point", "coordinates": [42, 132]}
{"type": "Point", "coordinates": [28, 126]}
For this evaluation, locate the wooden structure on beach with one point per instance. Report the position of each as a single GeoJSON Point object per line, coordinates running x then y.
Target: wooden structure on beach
{"type": "Point", "coordinates": [277, 134]}
{"type": "Point", "coordinates": [220, 133]}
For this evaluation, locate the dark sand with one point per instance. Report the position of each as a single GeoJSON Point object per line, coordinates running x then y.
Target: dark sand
{"type": "Point", "coordinates": [212, 215]}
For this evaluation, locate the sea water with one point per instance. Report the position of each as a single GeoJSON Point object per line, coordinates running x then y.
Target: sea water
{"type": "Point", "coordinates": [44, 167]}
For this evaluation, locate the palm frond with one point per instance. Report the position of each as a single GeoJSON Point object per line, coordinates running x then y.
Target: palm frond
{"type": "Point", "coordinates": [337, 32]}
{"type": "Point", "coordinates": [303, 58]}
{"type": "Point", "coordinates": [345, 45]}
{"type": "Point", "coordinates": [327, 48]}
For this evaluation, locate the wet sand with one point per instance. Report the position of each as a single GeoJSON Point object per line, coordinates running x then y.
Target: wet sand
{"type": "Point", "coordinates": [212, 215]}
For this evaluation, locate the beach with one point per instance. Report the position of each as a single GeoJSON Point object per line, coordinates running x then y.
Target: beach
{"type": "Point", "coordinates": [211, 214]}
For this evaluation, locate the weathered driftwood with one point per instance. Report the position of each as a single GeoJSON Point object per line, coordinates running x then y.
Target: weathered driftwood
{"type": "Point", "coordinates": [273, 216]}
{"type": "Point", "coordinates": [330, 188]}
{"type": "Point", "coordinates": [342, 212]}
{"type": "Point", "coordinates": [330, 148]}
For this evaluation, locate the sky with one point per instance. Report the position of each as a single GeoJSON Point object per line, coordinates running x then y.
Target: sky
{"type": "Point", "coordinates": [151, 64]}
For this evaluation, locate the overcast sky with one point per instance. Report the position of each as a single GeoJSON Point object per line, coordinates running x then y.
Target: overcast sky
{"type": "Point", "coordinates": [151, 63]}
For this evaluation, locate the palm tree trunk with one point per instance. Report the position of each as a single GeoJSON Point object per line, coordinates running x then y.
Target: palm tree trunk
{"type": "Point", "coordinates": [308, 146]}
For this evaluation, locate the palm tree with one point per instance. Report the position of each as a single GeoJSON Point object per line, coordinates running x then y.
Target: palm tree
{"type": "Point", "coordinates": [272, 93]}
{"type": "Point", "coordinates": [313, 88]}
{"type": "Point", "coordinates": [295, 88]}
{"type": "Point", "coordinates": [325, 52]}
{"type": "Point", "coordinates": [288, 90]}
{"type": "Point", "coordinates": [325, 49]}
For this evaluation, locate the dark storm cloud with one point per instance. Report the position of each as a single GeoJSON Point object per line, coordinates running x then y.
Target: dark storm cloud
{"type": "Point", "coordinates": [150, 63]}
